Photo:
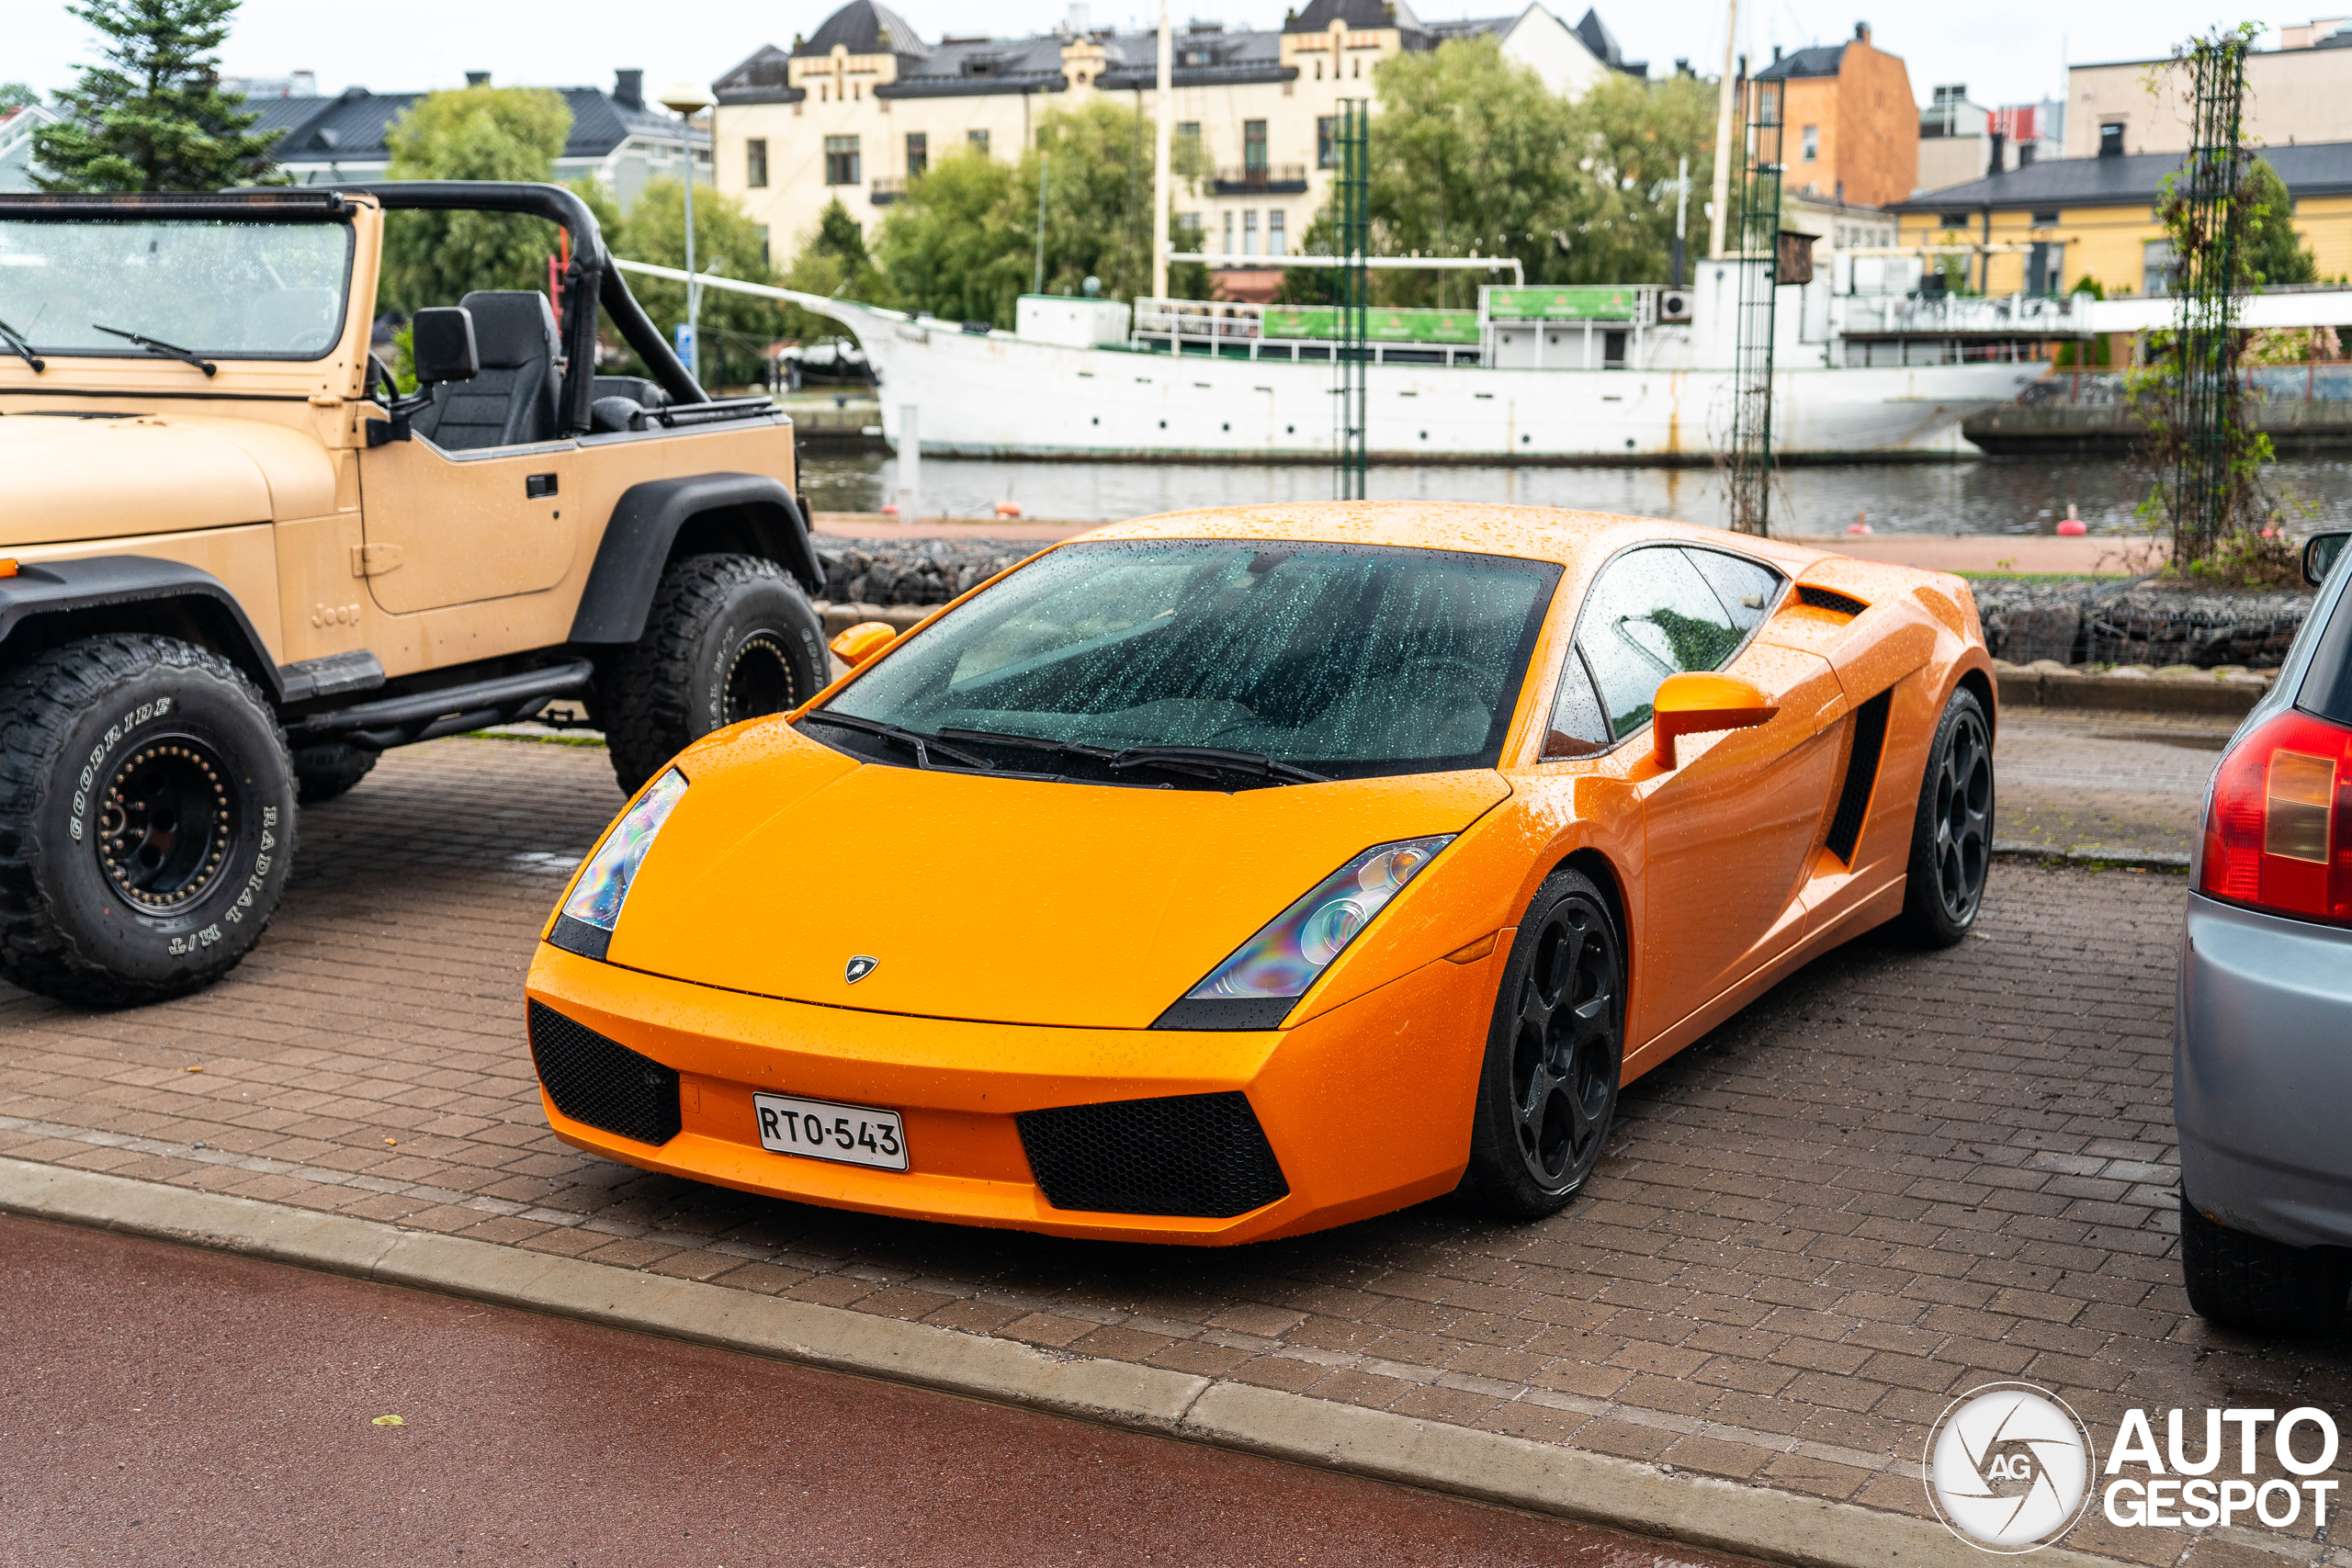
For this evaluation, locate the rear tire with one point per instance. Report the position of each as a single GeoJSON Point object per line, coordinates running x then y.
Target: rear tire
{"type": "Point", "coordinates": [2250, 1283]}
{"type": "Point", "coordinates": [329, 769]}
{"type": "Point", "coordinates": [729, 637]}
{"type": "Point", "coordinates": [146, 819]}
{"type": "Point", "coordinates": [1951, 835]}
{"type": "Point", "coordinates": [1548, 1089]}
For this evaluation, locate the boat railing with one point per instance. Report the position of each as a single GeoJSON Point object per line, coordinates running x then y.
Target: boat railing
{"type": "Point", "coordinates": [1943, 315]}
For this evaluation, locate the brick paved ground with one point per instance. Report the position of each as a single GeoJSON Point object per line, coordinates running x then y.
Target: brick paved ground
{"type": "Point", "coordinates": [1896, 1178]}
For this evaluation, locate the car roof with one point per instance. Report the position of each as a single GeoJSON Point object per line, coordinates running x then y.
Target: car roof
{"type": "Point", "coordinates": [1532, 533]}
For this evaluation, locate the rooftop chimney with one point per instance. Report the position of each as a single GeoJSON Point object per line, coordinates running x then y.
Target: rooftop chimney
{"type": "Point", "coordinates": [628, 89]}
{"type": "Point", "coordinates": [1999, 165]}
{"type": "Point", "coordinates": [1862, 31]}
{"type": "Point", "coordinates": [477, 78]}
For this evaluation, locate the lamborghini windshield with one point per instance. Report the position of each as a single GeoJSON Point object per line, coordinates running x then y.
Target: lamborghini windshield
{"type": "Point", "coordinates": [262, 290]}
{"type": "Point", "coordinates": [1166, 661]}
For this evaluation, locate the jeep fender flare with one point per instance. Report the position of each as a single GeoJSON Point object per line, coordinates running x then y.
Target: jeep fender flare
{"type": "Point", "coordinates": [751, 512]}
{"type": "Point", "coordinates": [49, 602]}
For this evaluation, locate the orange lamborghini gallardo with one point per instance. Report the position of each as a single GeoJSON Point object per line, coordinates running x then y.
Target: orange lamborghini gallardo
{"type": "Point", "coordinates": [1234, 873]}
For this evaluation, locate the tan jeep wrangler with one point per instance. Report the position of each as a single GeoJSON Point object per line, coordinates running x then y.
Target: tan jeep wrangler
{"type": "Point", "coordinates": [235, 564]}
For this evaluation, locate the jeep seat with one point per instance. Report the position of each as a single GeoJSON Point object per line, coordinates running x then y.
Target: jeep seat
{"type": "Point", "coordinates": [512, 400]}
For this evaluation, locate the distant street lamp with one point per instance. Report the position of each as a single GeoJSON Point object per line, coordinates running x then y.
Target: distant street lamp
{"type": "Point", "coordinates": [686, 100]}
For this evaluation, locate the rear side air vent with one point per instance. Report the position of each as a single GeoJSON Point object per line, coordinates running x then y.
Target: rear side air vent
{"type": "Point", "coordinates": [1202, 1155]}
{"type": "Point", "coordinates": [601, 1081]}
{"type": "Point", "coordinates": [1829, 599]}
{"type": "Point", "coordinates": [1862, 773]}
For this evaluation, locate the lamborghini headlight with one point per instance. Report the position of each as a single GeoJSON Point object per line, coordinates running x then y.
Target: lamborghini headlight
{"type": "Point", "coordinates": [1284, 959]}
{"type": "Point", "coordinates": [597, 897]}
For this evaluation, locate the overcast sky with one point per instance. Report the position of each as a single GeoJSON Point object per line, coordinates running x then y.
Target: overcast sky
{"type": "Point", "coordinates": [2006, 51]}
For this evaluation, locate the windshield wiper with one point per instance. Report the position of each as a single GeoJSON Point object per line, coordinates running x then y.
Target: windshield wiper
{"type": "Point", "coordinates": [1033, 742]}
{"type": "Point", "coordinates": [1208, 761]}
{"type": "Point", "coordinates": [168, 350]}
{"type": "Point", "coordinates": [923, 745]}
{"type": "Point", "coordinates": [21, 349]}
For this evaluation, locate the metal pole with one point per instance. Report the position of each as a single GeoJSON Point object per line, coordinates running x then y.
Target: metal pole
{"type": "Point", "coordinates": [694, 289]}
{"type": "Point", "coordinates": [909, 463]}
{"type": "Point", "coordinates": [1037, 279]}
{"type": "Point", "coordinates": [1681, 223]}
{"type": "Point", "coordinates": [1166, 110]}
{"type": "Point", "coordinates": [1350, 290]}
{"type": "Point", "coordinates": [1721, 204]}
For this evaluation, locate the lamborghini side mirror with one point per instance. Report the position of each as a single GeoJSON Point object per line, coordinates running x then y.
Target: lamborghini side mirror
{"type": "Point", "coordinates": [2321, 552]}
{"type": "Point", "coordinates": [1694, 704]}
{"type": "Point", "coordinates": [861, 642]}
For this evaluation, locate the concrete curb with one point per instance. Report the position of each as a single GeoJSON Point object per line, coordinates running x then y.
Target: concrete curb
{"type": "Point", "coordinates": [2095, 854]}
{"type": "Point", "coordinates": [2024, 686]}
{"type": "Point", "coordinates": [1727, 1515]}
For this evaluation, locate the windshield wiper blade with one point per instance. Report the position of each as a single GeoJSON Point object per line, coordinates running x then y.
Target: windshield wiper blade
{"type": "Point", "coordinates": [168, 350]}
{"type": "Point", "coordinates": [21, 349]}
{"type": "Point", "coordinates": [1033, 742]}
{"type": "Point", "coordinates": [923, 745]}
{"type": "Point", "coordinates": [1212, 759]}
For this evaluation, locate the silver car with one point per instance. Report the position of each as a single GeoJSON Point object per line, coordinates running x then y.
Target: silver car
{"type": "Point", "coordinates": [2262, 1043]}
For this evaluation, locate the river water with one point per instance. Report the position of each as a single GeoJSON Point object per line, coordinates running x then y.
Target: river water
{"type": "Point", "coordinates": [1985, 495]}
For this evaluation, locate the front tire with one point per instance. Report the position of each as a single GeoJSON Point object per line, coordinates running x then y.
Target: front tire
{"type": "Point", "coordinates": [729, 637]}
{"type": "Point", "coordinates": [1952, 836]}
{"type": "Point", "coordinates": [2250, 1283]}
{"type": "Point", "coordinates": [1548, 1090]}
{"type": "Point", "coordinates": [146, 819]}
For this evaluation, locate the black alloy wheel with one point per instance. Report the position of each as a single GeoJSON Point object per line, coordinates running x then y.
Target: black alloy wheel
{"type": "Point", "coordinates": [1951, 838]}
{"type": "Point", "coordinates": [759, 680]}
{"type": "Point", "coordinates": [167, 821]}
{"type": "Point", "coordinates": [1549, 1089]}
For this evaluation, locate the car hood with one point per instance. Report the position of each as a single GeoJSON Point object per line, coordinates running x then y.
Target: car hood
{"type": "Point", "coordinates": [73, 479]}
{"type": "Point", "coordinates": [998, 899]}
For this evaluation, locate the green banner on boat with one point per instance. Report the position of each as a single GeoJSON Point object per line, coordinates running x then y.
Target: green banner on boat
{"type": "Point", "coordinates": [1395, 325]}
{"type": "Point", "coordinates": [1561, 302]}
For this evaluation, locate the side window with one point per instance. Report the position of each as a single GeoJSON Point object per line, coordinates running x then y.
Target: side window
{"type": "Point", "coordinates": [1648, 616]}
{"type": "Point", "coordinates": [1578, 728]}
{"type": "Point", "coordinates": [1746, 588]}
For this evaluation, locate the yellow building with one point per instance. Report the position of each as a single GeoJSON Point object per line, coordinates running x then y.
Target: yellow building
{"type": "Point", "coordinates": [865, 104]}
{"type": "Point", "coordinates": [2050, 225]}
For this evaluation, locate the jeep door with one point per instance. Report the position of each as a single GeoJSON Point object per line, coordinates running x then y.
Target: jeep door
{"type": "Point", "coordinates": [447, 528]}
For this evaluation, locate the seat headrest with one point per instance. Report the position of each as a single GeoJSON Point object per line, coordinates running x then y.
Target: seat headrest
{"type": "Point", "coordinates": [512, 327]}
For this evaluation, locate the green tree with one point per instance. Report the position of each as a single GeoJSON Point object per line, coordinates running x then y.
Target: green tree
{"type": "Point", "coordinates": [832, 261]}
{"type": "Point", "coordinates": [2275, 253]}
{"type": "Point", "coordinates": [15, 96]}
{"type": "Point", "coordinates": [152, 117]}
{"type": "Point", "coordinates": [470, 133]}
{"type": "Point", "coordinates": [735, 328]}
{"type": "Point", "coordinates": [952, 245]}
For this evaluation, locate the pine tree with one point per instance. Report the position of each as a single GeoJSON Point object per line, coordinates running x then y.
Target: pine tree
{"type": "Point", "coordinates": [152, 117]}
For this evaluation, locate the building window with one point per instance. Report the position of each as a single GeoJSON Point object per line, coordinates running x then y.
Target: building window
{"type": "Point", "coordinates": [1812, 142]}
{"type": "Point", "coordinates": [1324, 137]}
{"type": "Point", "coordinates": [977, 138]}
{"type": "Point", "coordinates": [2155, 267]}
{"type": "Point", "coordinates": [1187, 235]}
{"type": "Point", "coordinates": [755, 163]}
{"type": "Point", "coordinates": [765, 259]}
{"type": "Point", "coordinates": [918, 153]}
{"type": "Point", "coordinates": [1253, 144]}
{"type": "Point", "coordinates": [1954, 219]}
{"type": "Point", "coordinates": [1249, 232]}
{"type": "Point", "coordinates": [2045, 220]}
{"type": "Point", "coordinates": [1188, 131]}
{"type": "Point", "coordinates": [1318, 68]}
{"type": "Point", "coordinates": [2110, 140]}
{"type": "Point", "coordinates": [1228, 247]}
{"type": "Point", "coordinates": [841, 162]}
{"type": "Point", "coordinates": [1274, 233]}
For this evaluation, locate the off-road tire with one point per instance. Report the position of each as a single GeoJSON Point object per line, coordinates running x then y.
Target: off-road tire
{"type": "Point", "coordinates": [1951, 835]}
{"type": "Point", "coordinates": [2240, 1281]}
{"type": "Point", "coordinates": [329, 768]}
{"type": "Point", "coordinates": [1554, 1056]}
{"type": "Point", "coordinates": [727, 637]}
{"type": "Point", "coordinates": [146, 819]}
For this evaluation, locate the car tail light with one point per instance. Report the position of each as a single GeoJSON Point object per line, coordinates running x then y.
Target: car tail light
{"type": "Point", "coordinates": [2278, 834]}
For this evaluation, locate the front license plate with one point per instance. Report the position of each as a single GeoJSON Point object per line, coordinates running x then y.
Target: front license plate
{"type": "Point", "coordinates": [854, 1135]}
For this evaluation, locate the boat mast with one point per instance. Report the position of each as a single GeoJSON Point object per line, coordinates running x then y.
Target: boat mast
{"type": "Point", "coordinates": [1721, 207]}
{"type": "Point", "coordinates": [1167, 136]}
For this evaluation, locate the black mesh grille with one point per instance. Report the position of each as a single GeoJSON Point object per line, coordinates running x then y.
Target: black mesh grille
{"type": "Point", "coordinates": [1861, 773]}
{"type": "Point", "coordinates": [1198, 1155]}
{"type": "Point", "coordinates": [1830, 599]}
{"type": "Point", "coordinates": [603, 1082]}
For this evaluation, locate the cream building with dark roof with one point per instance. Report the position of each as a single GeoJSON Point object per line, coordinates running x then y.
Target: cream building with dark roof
{"type": "Point", "coordinates": [863, 104]}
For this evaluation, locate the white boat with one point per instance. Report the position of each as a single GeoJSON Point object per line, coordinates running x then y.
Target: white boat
{"type": "Point", "coordinates": [1533, 374]}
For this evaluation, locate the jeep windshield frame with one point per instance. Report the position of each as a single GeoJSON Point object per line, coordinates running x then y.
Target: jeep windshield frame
{"type": "Point", "coordinates": [231, 279]}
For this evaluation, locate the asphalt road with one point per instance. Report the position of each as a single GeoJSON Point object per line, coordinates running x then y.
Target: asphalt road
{"type": "Point", "coordinates": [162, 1405]}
